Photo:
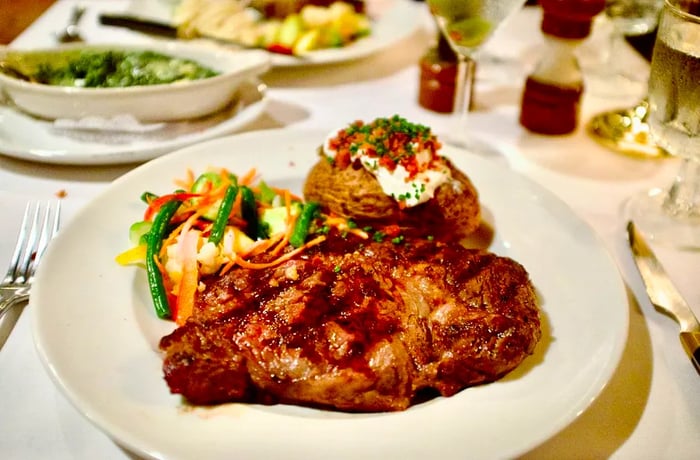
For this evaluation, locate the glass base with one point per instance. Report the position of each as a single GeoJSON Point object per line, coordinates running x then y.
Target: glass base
{"type": "Point", "coordinates": [648, 211]}
{"type": "Point", "coordinates": [626, 131]}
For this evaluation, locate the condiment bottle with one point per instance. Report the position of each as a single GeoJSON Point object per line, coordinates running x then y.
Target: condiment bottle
{"type": "Point", "coordinates": [438, 70]}
{"type": "Point", "coordinates": [552, 95]}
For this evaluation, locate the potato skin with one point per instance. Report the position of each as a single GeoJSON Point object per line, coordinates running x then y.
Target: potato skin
{"type": "Point", "coordinates": [353, 192]}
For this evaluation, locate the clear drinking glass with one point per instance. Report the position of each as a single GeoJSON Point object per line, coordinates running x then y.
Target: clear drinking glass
{"type": "Point", "coordinates": [467, 25]}
{"type": "Point", "coordinates": [628, 18]}
{"type": "Point", "coordinates": [673, 215]}
{"type": "Point", "coordinates": [626, 130]}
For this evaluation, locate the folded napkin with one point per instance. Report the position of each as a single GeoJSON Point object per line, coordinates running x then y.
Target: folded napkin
{"type": "Point", "coordinates": [123, 123]}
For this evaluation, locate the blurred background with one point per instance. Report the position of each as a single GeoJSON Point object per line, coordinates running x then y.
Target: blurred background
{"type": "Point", "coordinates": [15, 16]}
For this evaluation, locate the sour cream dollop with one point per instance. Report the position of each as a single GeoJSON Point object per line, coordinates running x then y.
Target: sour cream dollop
{"type": "Point", "coordinates": [401, 155]}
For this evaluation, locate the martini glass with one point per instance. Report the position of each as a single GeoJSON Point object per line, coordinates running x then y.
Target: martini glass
{"type": "Point", "coordinates": [467, 25]}
{"type": "Point", "coordinates": [673, 215]}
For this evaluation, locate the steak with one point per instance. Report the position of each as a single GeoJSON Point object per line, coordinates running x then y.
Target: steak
{"type": "Point", "coordinates": [355, 325]}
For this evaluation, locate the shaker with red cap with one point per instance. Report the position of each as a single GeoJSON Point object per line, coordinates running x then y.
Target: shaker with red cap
{"type": "Point", "coordinates": [552, 94]}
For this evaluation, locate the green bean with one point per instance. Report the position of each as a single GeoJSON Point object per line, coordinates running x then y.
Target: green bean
{"type": "Point", "coordinates": [303, 224]}
{"type": "Point", "coordinates": [147, 197]}
{"type": "Point", "coordinates": [217, 229]}
{"type": "Point", "coordinates": [154, 242]}
{"type": "Point", "coordinates": [211, 179]}
{"type": "Point", "coordinates": [249, 211]}
{"type": "Point", "coordinates": [204, 180]}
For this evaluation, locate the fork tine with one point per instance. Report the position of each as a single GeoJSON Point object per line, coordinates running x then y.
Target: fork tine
{"type": "Point", "coordinates": [21, 238]}
{"type": "Point", "coordinates": [29, 247]}
{"type": "Point", "coordinates": [39, 225]}
{"type": "Point", "coordinates": [52, 221]}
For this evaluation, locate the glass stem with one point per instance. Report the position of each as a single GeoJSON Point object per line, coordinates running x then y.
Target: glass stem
{"type": "Point", "coordinates": [683, 198]}
{"type": "Point", "coordinates": [614, 51]}
{"type": "Point", "coordinates": [463, 92]}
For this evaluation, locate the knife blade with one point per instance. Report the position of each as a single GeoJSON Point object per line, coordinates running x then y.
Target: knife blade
{"type": "Point", "coordinates": [165, 30]}
{"type": "Point", "coordinates": [664, 295]}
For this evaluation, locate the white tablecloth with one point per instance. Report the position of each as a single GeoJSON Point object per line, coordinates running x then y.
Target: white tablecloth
{"type": "Point", "coordinates": [651, 407]}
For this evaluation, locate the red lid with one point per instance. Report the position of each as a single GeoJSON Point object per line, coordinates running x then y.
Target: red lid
{"type": "Point", "coordinates": [569, 18]}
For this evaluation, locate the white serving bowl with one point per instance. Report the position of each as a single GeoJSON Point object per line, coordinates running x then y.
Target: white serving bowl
{"type": "Point", "coordinates": [161, 102]}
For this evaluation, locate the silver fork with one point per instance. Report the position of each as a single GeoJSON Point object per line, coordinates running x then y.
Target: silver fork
{"type": "Point", "coordinates": [71, 32]}
{"type": "Point", "coordinates": [39, 225]}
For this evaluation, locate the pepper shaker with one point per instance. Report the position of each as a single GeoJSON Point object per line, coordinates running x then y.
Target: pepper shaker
{"type": "Point", "coordinates": [552, 94]}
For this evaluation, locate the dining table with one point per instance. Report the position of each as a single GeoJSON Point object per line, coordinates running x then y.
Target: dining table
{"type": "Point", "coordinates": [650, 406]}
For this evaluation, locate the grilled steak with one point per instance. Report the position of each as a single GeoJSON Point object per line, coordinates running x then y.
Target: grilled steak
{"type": "Point", "coordinates": [355, 325]}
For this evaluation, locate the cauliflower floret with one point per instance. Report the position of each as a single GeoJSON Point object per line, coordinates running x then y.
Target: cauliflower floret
{"type": "Point", "coordinates": [209, 258]}
{"type": "Point", "coordinates": [235, 242]}
{"type": "Point", "coordinates": [315, 16]}
{"type": "Point", "coordinates": [340, 9]}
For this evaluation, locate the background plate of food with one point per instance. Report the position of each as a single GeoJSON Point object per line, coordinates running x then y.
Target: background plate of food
{"type": "Point", "coordinates": [156, 82]}
{"type": "Point", "coordinates": [98, 335]}
{"type": "Point", "coordinates": [119, 140]}
{"type": "Point", "coordinates": [296, 32]}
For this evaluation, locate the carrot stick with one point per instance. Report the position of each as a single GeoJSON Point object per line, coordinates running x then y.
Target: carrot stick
{"type": "Point", "coordinates": [283, 258]}
{"type": "Point", "coordinates": [282, 191]}
{"type": "Point", "coordinates": [229, 265]}
{"type": "Point", "coordinates": [248, 177]}
{"type": "Point", "coordinates": [187, 182]}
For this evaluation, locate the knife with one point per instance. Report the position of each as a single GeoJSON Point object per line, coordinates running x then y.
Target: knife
{"type": "Point", "coordinates": [165, 30]}
{"type": "Point", "coordinates": [147, 26]}
{"type": "Point", "coordinates": [664, 295]}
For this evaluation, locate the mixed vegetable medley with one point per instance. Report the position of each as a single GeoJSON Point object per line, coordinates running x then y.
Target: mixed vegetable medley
{"type": "Point", "coordinates": [214, 222]}
{"type": "Point", "coordinates": [313, 27]}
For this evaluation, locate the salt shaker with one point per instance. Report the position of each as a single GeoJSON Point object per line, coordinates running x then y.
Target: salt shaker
{"type": "Point", "coordinates": [552, 95]}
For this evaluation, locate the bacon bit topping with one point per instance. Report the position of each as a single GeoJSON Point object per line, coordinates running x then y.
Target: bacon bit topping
{"type": "Point", "coordinates": [386, 143]}
{"type": "Point", "coordinates": [401, 155]}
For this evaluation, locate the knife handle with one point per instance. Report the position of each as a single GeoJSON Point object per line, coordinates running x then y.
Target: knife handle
{"type": "Point", "coordinates": [140, 25]}
{"type": "Point", "coordinates": [691, 344]}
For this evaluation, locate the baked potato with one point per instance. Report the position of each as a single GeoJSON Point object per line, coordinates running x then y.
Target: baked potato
{"type": "Point", "coordinates": [350, 189]}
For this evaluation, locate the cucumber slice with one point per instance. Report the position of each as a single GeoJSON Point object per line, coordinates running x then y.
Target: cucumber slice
{"type": "Point", "coordinates": [138, 231]}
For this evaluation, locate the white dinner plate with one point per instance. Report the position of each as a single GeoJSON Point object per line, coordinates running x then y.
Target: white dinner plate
{"type": "Point", "coordinates": [30, 138]}
{"type": "Point", "coordinates": [97, 334]}
{"type": "Point", "coordinates": [392, 21]}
